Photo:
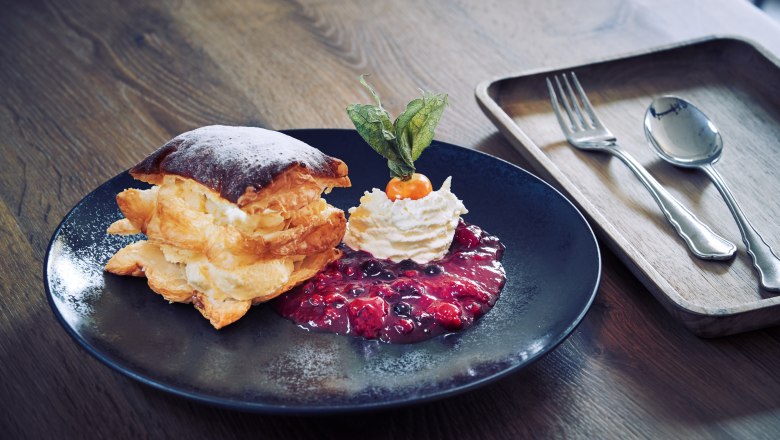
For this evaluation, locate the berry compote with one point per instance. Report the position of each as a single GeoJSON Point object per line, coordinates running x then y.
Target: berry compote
{"type": "Point", "coordinates": [401, 302]}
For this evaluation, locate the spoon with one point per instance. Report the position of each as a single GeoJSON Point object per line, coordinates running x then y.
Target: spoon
{"type": "Point", "coordinates": [683, 136]}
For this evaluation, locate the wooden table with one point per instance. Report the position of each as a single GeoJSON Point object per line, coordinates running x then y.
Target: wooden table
{"type": "Point", "coordinates": [88, 88]}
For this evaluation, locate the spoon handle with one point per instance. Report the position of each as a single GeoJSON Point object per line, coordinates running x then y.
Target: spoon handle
{"type": "Point", "coordinates": [764, 258]}
{"type": "Point", "coordinates": [701, 240]}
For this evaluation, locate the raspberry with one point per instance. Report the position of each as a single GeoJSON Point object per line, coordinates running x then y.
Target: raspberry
{"type": "Point", "coordinates": [448, 315]}
{"type": "Point", "coordinates": [335, 298]}
{"type": "Point", "coordinates": [367, 316]}
{"type": "Point", "coordinates": [468, 236]}
{"type": "Point", "coordinates": [473, 307]}
{"type": "Point", "coordinates": [332, 314]}
{"type": "Point", "coordinates": [315, 300]}
{"type": "Point", "coordinates": [386, 292]}
{"type": "Point", "coordinates": [468, 290]}
{"type": "Point", "coordinates": [404, 326]}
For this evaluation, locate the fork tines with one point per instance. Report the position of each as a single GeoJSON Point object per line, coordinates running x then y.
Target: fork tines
{"type": "Point", "coordinates": [574, 103]}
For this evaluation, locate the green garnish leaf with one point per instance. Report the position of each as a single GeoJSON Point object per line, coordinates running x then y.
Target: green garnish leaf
{"type": "Point", "coordinates": [403, 135]}
{"type": "Point", "coordinates": [403, 141]}
{"type": "Point", "coordinates": [374, 126]}
{"type": "Point", "coordinates": [423, 122]}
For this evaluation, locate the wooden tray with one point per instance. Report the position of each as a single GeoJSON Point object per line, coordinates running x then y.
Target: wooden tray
{"type": "Point", "coordinates": [738, 85]}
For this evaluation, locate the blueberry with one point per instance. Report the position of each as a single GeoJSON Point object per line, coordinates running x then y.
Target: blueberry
{"type": "Point", "coordinates": [432, 270]}
{"type": "Point", "coordinates": [406, 265]}
{"type": "Point", "coordinates": [371, 268]}
{"type": "Point", "coordinates": [425, 320]}
{"type": "Point", "coordinates": [406, 288]}
{"type": "Point", "coordinates": [387, 275]}
{"type": "Point", "coordinates": [402, 309]}
{"type": "Point", "coordinates": [355, 291]}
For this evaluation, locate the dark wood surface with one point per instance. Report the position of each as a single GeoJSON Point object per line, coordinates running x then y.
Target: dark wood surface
{"type": "Point", "coordinates": [88, 88]}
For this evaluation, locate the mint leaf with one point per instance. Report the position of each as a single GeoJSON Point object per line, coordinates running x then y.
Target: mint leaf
{"type": "Point", "coordinates": [382, 113]}
{"type": "Point", "coordinates": [403, 135]}
{"type": "Point", "coordinates": [374, 126]}
{"type": "Point", "coordinates": [404, 152]}
{"type": "Point", "coordinates": [403, 141]}
{"type": "Point", "coordinates": [416, 125]}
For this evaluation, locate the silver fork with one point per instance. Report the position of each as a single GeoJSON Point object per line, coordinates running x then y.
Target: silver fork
{"type": "Point", "coordinates": [584, 130]}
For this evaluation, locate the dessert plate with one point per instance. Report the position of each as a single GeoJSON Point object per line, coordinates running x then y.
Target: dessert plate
{"type": "Point", "coordinates": [265, 363]}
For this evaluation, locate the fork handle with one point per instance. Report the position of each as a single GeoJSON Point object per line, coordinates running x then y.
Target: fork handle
{"type": "Point", "coordinates": [701, 240]}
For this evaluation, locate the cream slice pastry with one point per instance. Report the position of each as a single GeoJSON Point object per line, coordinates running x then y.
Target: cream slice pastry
{"type": "Point", "coordinates": [234, 217]}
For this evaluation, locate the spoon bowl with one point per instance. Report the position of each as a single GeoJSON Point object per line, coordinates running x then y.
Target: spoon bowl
{"type": "Point", "coordinates": [683, 135]}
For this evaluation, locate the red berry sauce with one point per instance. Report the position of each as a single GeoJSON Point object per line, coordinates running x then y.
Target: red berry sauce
{"type": "Point", "coordinates": [401, 302]}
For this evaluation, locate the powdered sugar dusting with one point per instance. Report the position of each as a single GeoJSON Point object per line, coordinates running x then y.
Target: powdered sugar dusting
{"type": "Point", "coordinates": [76, 278]}
{"type": "Point", "coordinates": [77, 258]}
{"type": "Point", "coordinates": [231, 159]}
{"type": "Point", "coordinates": [251, 147]}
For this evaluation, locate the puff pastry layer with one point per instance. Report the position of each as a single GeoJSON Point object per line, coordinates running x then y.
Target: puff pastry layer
{"type": "Point", "coordinates": [235, 217]}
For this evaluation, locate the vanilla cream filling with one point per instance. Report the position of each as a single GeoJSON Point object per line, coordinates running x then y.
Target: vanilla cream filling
{"type": "Point", "coordinates": [241, 283]}
{"type": "Point", "coordinates": [219, 273]}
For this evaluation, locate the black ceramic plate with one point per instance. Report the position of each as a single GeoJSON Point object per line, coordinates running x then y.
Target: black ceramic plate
{"type": "Point", "coordinates": [265, 363]}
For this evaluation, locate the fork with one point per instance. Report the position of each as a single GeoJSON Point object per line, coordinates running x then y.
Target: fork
{"type": "Point", "coordinates": [584, 130]}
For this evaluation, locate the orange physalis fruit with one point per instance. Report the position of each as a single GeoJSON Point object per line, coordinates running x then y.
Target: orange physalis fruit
{"type": "Point", "coordinates": [416, 187]}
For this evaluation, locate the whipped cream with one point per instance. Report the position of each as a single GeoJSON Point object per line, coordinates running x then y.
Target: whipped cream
{"type": "Point", "coordinates": [420, 230]}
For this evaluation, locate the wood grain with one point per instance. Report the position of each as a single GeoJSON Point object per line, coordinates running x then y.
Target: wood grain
{"type": "Point", "coordinates": [91, 87]}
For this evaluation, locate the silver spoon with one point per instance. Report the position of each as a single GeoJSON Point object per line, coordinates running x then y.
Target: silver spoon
{"type": "Point", "coordinates": [683, 136]}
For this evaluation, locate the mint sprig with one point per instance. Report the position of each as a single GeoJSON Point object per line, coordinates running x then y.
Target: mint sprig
{"type": "Point", "coordinates": [400, 142]}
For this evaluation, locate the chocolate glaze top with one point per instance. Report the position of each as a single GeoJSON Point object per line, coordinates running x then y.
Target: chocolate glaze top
{"type": "Point", "coordinates": [231, 160]}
